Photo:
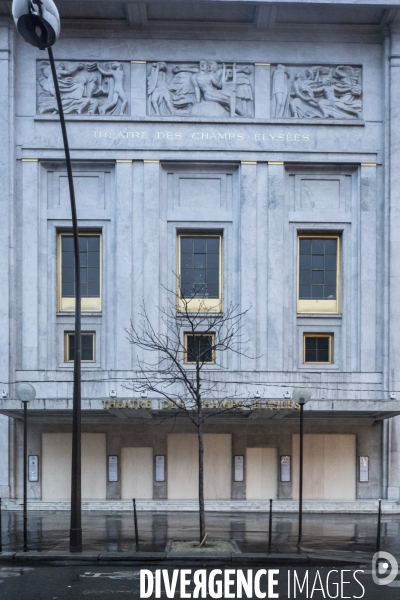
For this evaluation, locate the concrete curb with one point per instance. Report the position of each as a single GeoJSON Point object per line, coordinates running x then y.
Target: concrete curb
{"type": "Point", "coordinates": [139, 557]}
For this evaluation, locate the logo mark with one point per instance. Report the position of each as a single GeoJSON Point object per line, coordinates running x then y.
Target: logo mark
{"type": "Point", "coordinates": [384, 568]}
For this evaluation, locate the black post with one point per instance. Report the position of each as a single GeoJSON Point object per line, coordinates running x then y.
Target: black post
{"type": "Point", "coordinates": [25, 506]}
{"type": "Point", "coordinates": [301, 476]}
{"type": "Point", "coordinates": [378, 533]}
{"type": "Point", "coordinates": [1, 545]}
{"type": "Point", "coordinates": [136, 526]}
{"type": "Point", "coordinates": [75, 540]}
{"type": "Point", "coordinates": [270, 527]}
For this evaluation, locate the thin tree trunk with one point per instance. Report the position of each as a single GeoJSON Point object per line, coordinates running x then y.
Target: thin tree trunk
{"type": "Point", "coordinates": [202, 515]}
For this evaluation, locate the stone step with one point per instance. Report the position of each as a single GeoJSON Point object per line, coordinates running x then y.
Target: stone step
{"type": "Point", "coordinates": [289, 506]}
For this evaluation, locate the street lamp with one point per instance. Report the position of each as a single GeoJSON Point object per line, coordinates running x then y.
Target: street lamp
{"type": "Point", "coordinates": [38, 22]}
{"type": "Point", "coordinates": [301, 395]}
{"type": "Point", "coordinates": [25, 392]}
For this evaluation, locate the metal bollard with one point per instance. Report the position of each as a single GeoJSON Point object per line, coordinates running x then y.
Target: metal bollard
{"type": "Point", "coordinates": [378, 533]}
{"type": "Point", "coordinates": [136, 525]}
{"type": "Point", "coordinates": [270, 527]}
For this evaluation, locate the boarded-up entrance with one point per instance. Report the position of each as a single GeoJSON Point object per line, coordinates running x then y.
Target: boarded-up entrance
{"type": "Point", "coordinates": [56, 466]}
{"type": "Point", "coordinates": [329, 467]}
{"type": "Point", "coordinates": [183, 468]}
{"type": "Point", "coordinates": [261, 473]}
{"type": "Point", "coordinates": [136, 473]}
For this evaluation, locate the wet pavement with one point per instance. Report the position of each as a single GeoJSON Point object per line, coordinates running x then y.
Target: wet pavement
{"type": "Point", "coordinates": [114, 532]}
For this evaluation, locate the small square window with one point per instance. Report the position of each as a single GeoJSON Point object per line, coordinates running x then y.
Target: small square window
{"type": "Point", "coordinates": [90, 261]}
{"type": "Point", "coordinates": [88, 345]}
{"type": "Point", "coordinates": [318, 348]}
{"type": "Point", "coordinates": [318, 274]}
{"type": "Point", "coordinates": [199, 347]}
{"type": "Point", "coordinates": [199, 269]}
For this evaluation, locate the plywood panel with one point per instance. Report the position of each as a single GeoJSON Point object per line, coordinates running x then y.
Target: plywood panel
{"type": "Point", "coordinates": [183, 469]}
{"type": "Point", "coordinates": [261, 473]}
{"type": "Point", "coordinates": [329, 467]}
{"type": "Point", "coordinates": [136, 473]}
{"type": "Point", "coordinates": [94, 466]}
{"type": "Point", "coordinates": [56, 466]}
{"type": "Point", "coordinates": [217, 466]}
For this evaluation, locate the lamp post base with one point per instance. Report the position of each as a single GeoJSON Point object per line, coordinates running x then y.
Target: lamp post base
{"type": "Point", "coordinates": [75, 537]}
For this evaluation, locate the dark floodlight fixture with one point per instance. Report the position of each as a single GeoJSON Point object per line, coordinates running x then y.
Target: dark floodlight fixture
{"type": "Point", "coordinates": [37, 21]}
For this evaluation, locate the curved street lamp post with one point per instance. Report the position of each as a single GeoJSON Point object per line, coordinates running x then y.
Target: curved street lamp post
{"type": "Point", "coordinates": [38, 22]}
{"type": "Point", "coordinates": [301, 395]}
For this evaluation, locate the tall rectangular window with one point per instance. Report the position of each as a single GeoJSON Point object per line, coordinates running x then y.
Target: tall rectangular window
{"type": "Point", "coordinates": [318, 274]}
{"type": "Point", "coordinates": [90, 261]}
{"type": "Point", "coordinates": [200, 272]}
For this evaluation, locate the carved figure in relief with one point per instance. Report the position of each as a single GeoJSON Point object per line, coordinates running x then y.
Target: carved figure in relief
{"type": "Point", "coordinates": [211, 89]}
{"type": "Point", "coordinates": [280, 91]}
{"type": "Point", "coordinates": [85, 88]}
{"type": "Point", "coordinates": [158, 92]}
{"type": "Point", "coordinates": [317, 92]}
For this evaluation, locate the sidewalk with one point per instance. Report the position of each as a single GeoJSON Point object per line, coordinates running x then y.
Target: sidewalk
{"type": "Point", "coordinates": [111, 537]}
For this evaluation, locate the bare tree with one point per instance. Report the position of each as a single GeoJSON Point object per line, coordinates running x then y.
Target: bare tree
{"type": "Point", "coordinates": [189, 342]}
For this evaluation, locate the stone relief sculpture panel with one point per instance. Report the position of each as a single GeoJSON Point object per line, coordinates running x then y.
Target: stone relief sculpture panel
{"type": "Point", "coordinates": [323, 92]}
{"type": "Point", "coordinates": [206, 89]}
{"type": "Point", "coordinates": [87, 88]}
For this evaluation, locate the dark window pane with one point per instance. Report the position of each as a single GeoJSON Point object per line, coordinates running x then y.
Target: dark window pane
{"type": "Point", "coordinates": [200, 245]}
{"type": "Point", "coordinates": [93, 259]}
{"type": "Point", "coordinates": [84, 290]}
{"type": "Point", "coordinates": [68, 289]}
{"type": "Point", "coordinates": [199, 348]}
{"type": "Point", "coordinates": [200, 261]}
{"type": "Point", "coordinates": [318, 246]}
{"type": "Point", "coordinates": [68, 274]}
{"type": "Point", "coordinates": [93, 274]}
{"type": "Point", "coordinates": [311, 343]}
{"type": "Point", "coordinates": [323, 343]}
{"type": "Point", "coordinates": [305, 247]}
{"type": "Point", "coordinates": [93, 289]}
{"type": "Point", "coordinates": [317, 277]}
{"type": "Point", "coordinates": [186, 261]}
{"type": "Point", "coordinates": [317, 291]}
{"type": "Point", "coordinates": [213, 290]}
{"type": "Point", "coordinates": [186, 276]}
{"type": "Point", "coordinates": [330, 262]}
{"type": "Point", "coordinates": [323, 355]}
{"type": "Point", "coordinates": [212, 276]}
{"type": "Point", "coordinates": [67, 259]}
{"type": "Point", "coordinates": [93, 243]}
{"type": "Point", "coordinates": [317, 262]}
{"type": "Point", "coordinates": [305, 262]}
{"type": "Point", "coordinates": [186, 291]}
{"type": "Point", "coordinates": [83, 259]}
{"type": "Point", "coordinates": [213, 246]}
{"type": "Point", "coordinates": [83, 275]}
{"type": "Point", "coordinates": [67, 243]}
{"type": "Point", "coordinates": [330, 278]}
{"type": "Point", "coordinates": [305, 292]}
{"type": "Point", "coordinates": [187, 245]}
{"type": "Point", "coordinates": [199, 290]}
{"type": "Point", "coordinates": [87, 346]}
{"type": "Point", "coordinates": [311, 355]}
{"type": "Point", "coordinates": [83, 243]}
{"type": "Point", "coordinates": [305, 277]}
{"type": "Point", "coordinates": [212, 261]}
{"type": "Point", "coordinates": [199, 276]}
{"type": "Point", "coordinates": [330, 292]}
{"type": "Point", "coordinates": [330, 246]}
{"type": "Point", "coordinates": [71, 347]}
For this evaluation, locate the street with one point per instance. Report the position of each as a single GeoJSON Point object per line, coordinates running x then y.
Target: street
{"type": "Point", "coordinates": [80, 581]}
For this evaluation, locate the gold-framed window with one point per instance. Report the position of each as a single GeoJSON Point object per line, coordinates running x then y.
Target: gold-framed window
{"type": "Point", "coordinates": [88, 346]}
{"type": "Point", "coordinates": [318, 348]}
{"type": "Point", "coordinates": [199, 347]}
{"type": "Point", "coordinates": [318, 274]}
{"type": "Point", "coordinates": [200, 272]}
{"type": "Point", "coordinates": [90, 251]}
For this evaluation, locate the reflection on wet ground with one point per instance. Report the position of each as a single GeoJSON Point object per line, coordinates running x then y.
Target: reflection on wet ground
{"type": "Point", "coordinates": [114, 532]}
